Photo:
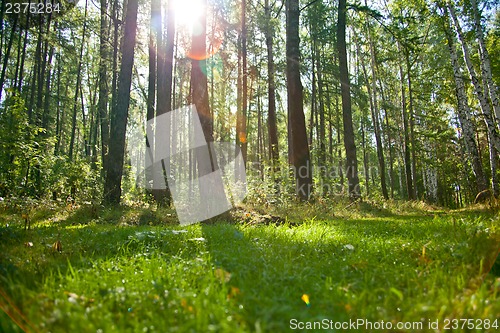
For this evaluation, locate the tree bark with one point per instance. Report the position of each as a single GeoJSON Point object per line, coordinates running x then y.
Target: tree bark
{"type": "Point", "coordinates": [77, 88]}
{"type": "Point", "coordinates": [299, 150]}
{"type": "Point", "coordinates": [349, 141]}
{"type": "Point", "coordinates": [491, 88]}
{"type": "Point", "coordinates": [372, 91]}
{"type": "Point", "coordinates": [271, 113]}
{"type": "Point", "coordinates": [112, 186]}
{"type": "Point", "coordinates": [464, 112]}
{"type": "Point", "coordinates": [244, 96]}
{"type": "Point", "coordinates": [406, 130]}
{"type": "Point", "coordinates": [104, 85]}
{"type": "Point", "coordinates": [7, 54]}
{"type": "Point", "coordinates": [478, 88]}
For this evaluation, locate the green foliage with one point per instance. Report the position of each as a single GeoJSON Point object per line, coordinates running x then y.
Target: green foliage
{"type": "Point", "coordinates": [20, 146]}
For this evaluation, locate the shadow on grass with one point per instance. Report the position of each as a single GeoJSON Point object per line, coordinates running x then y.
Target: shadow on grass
{"type": "Point", "coordinates": [271, 267]}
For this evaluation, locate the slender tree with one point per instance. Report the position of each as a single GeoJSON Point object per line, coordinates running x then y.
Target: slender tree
{"type": "Point", "coordinates": [104, 83]}
{"type": "Point", "coordinates": [271, 90]}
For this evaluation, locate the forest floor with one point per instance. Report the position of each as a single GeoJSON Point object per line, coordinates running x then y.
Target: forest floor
{"type": "Point", "coordinates": [399, 267]}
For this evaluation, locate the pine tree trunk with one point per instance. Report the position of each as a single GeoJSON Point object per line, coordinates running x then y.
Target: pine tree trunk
{"type": "Point", "coordinates": [349, 142]}
{"type": "Point", "coordinates": [406, 130]}
{"type": "Point", "coordinates": [7, 53]}
{"type": "Point", "coordinates": [103, 84]}
{"type": "Point", "coordinates": [321, 111]}
{"type": "Point", "coordinates": [77, 88]}
{"type": "Point", "coordinates": [271, 112]}
{"type": "Point", "coordinates": [204, 156]}
{"type": "Point", "coordinates": [299, 150]}
{"type": "Point", "coordinates": [411, 121]}
{"type": "Point", "coordinates": [389, 139]}
{"type": "Point", "coordinates": [244, 95]}
{"type": "Point", "coordinates": [375, 121]}
{"type": "Point", "coordinates": [112, 186]}
{"type": "Point", "coordinates": [23, 58]}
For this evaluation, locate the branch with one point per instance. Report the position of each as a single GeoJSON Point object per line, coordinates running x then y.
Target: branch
{"type": "Point", "coordinates": [309, 4]}
{"type": "Point", "coordinates": [279, 10]}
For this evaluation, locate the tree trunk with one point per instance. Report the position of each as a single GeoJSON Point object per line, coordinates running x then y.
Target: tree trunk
{"type": "Point", "coordinates": [23, 57]}
{"type": "Point", "coordinates": [321, 111]}
{"type": "Point", "coordinates": [389, 139]}
{"type": "Point", "coordinates": [406, 130]}
{"type": "Point", "coordinates": [205, 158]}
{"type": "Point", "coordinates": [7, 54]}
{"type": "Point", "coordinates": [372, 89]}
{"type": "Point", "coordinates": [412, 124]}
{"type": "Point", "coordinates": [103, 84]}
{"type": "Point", "coordinates": [376, 121]}
{"type": "Point", "coordinates": [478, 88]}
{"type": "Point", "coordinates": [77, 88]}
{"type": "Point", "coordinates": [349, 142]}
{"type": "Point", "coordinates": [244, 95]}
{"type": "Point", "coordinates": [493, 138]}
{"type": "Point", "coordinates": [299, 150]}
{"type": "Point", "coordinates": [112, 187]}
{"type": "Point", "coordinates": [271, 113]}
{"type": "Point", "coordinates": [491, 88]}
{"type": "Point", "coordinates": [464, 113]}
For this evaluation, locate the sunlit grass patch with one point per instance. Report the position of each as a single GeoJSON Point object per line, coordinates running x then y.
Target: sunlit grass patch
{"type": "Point", "coordinates": [229, 277]}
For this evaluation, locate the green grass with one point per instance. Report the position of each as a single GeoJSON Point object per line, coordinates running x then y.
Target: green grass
{"type": "Point", "coordinates": [133, 270]}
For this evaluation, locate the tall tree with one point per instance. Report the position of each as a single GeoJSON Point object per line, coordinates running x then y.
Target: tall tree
{"type": "Point", "coordinates": [478, 87]}
{"type": "Point", "coordinates": [345, 86]}
{"type": "Point", "coordinates": [112, 186]}
{"type": "Point", "coordinates": [103, 83]}
{"type": "Point", "coordinates": [488, 117]}
{"type": "Point", "coordinates": [271, 90]}
{"type": "Point", "coordinates": [299, 155]}
{"type": "Point", "coordinates": [77, 88]}
{"type": "Point", "coordinates": [464, 111]}
{"type": "Point", "coordinates": [490, 86]}
{"type": "Point", "coordinates": [205, 156]}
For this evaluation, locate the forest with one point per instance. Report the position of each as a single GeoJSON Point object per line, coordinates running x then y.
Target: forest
{"type": "Point", "coordinates": [249, 165]}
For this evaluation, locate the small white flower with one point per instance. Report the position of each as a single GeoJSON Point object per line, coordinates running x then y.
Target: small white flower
{"type": "Point", "coordinates": [349, 247]}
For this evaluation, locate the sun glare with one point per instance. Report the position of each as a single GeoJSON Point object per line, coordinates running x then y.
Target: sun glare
{"type": "Point", "coordinates": [187, 12]}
